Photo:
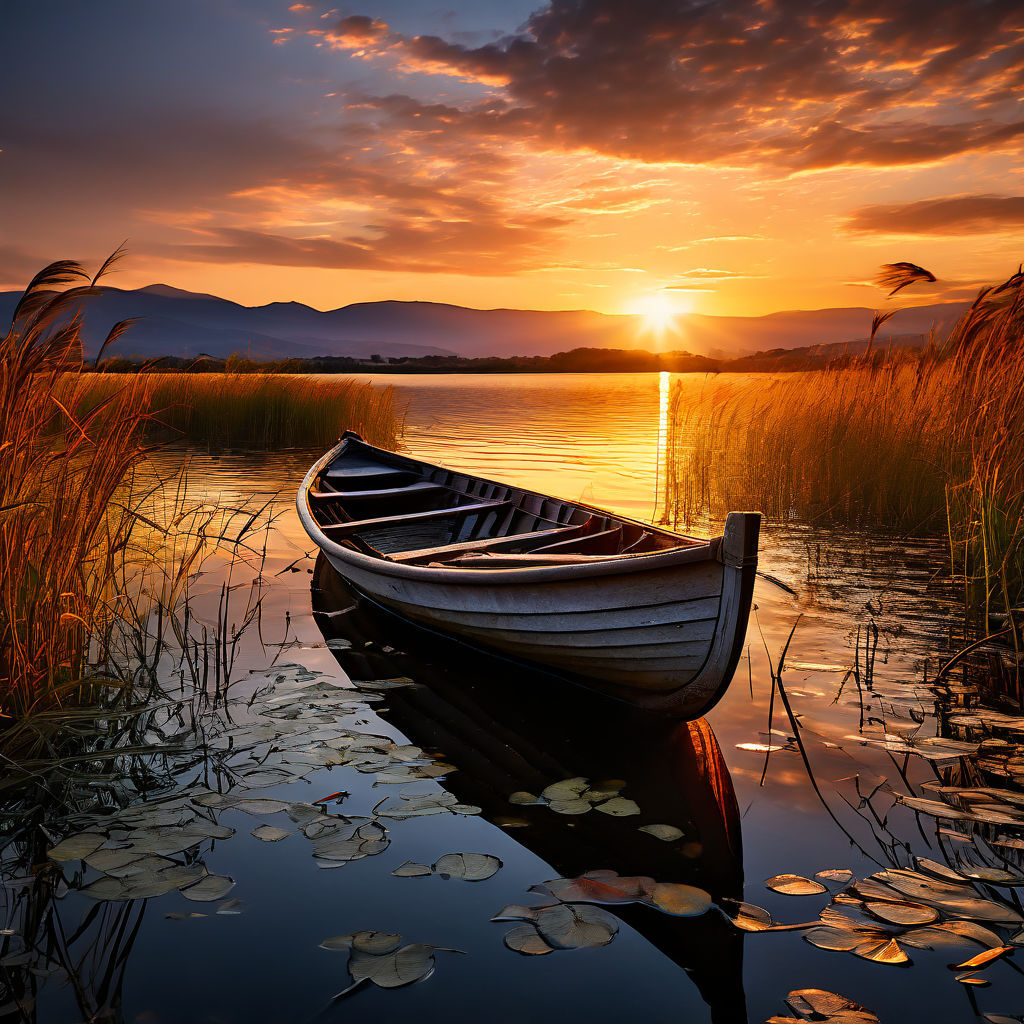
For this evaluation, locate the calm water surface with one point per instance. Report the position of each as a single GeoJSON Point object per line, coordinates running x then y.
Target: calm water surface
{"type": "Point", "coordinates": [498, 730]}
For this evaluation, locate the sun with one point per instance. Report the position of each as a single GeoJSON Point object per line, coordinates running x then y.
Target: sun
{"type": "Point", "coordinates": [659, 313]}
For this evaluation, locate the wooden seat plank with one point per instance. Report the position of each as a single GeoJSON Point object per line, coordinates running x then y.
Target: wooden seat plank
{"type": "Point", "coordinates": [421, 487]}
{"type": "Point", "coordinates": [354, 525]}
{"type": "Point", "coordinates": [483, 544]}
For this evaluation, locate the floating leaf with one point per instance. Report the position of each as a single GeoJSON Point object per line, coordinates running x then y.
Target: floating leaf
{"type": "Point", "coordinates": [794, 885]}
{"type": "Point", "coordinates": [515, 912]}
{"type": "Point", "coordinates": [619, 807]}
{"type": "Point", "coordinates": [208, 889]}
{"type": "Point", "coordinates": [666, 833]}
{"type": "Point", "coordinates": [880, 951]}
{"type": "Point", "coordinates": [818, 1004]}
{"type": "Point", "coordinates": [599, 887]}
{"type": "Point", "coordinates": [937, 870]}
{"type": "Point", "coordinates": [951, 933]}
{"type": "Point", "coordinates": [972, 979]}
{"type": "Point", "coordinates": [231, 907]}
{"type": "Point", "coordinates": [523, 799]}
{"type": "Point", "coordinates": [411, 869]}
{"type": "Point", "coordinates": [760, 748]}
{"type": "Point", "coordinates": [983, 959]}
{"type": "Point", "coordinates": [904, 913]}
{"type": "Point", "coordinates": [465, 809]}
{"type": "Point", "coordinates": [680, 900]}
{"type": "Point", "coordinates": [404, 966]}
{"type": "Point", "coordinates": [995, 876]}
{"type": "Point", "coordinates": [837, 939]}
{"type": "Point", "coordinates": [77, 847]}
{"type": "Point", "coordinates": [525, 939]}
{"type": "Point", "coordinates": [576, 806]}
{"type": "Point", "coordinates": [109, 861]}
{"type": "Point", "coordinates": [576, 926]}
{"type": "Point", "coordinates": [567, 789]}
{"type": "Point", "coordinates": [370, 942]}
{"type": "Point", "coordinates": [746, 916]}
{"type": "Point", "coordinates": [840, 875]}
{"type": "Point", "coordinates": [270, 833]}
{"type": "Point", "coordinates": [470, 867]}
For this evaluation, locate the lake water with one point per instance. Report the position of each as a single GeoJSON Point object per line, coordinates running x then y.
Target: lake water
{"type": "Point", "coordinates": [485, 730]}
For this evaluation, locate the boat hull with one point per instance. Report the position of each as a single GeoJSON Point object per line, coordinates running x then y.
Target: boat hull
{"type": "Point", "coordinates": [662, 630]}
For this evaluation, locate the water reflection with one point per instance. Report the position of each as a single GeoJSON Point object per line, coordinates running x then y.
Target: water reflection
{"type": "Point", "coordinates": [508, 729]}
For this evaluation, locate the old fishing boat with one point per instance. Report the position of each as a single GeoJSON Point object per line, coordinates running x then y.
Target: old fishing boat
{"type": "Point", "coordinates": [645, 614]}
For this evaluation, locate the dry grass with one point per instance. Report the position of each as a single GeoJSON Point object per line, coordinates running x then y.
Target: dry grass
{"type": "Point", "coordinates": [62, 533]}
{"type": "Point", "coordinates": [94, 571]}
{"type": "Point", "coordinates": [264, 410]}
{"type": "Point", "coordinates": [913, 442]}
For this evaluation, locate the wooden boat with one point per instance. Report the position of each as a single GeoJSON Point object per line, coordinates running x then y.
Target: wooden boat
{"type": "Point", "coordinates": [645, 614]}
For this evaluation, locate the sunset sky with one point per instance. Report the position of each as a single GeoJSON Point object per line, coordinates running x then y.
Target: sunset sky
{"type": "Point", "coordinates": [734, 157]}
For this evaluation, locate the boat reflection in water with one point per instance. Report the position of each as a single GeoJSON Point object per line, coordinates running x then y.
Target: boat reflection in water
{"type": "Point", "coordinates": [507, 728]}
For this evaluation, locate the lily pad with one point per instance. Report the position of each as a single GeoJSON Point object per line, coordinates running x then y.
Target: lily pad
{"type": "Point", "coordinates": [619, 807]}
{"type": "Point", "coordinates": [411, 869]}
{"type": "Point", "coordinates": [575, 926]}
{"type": "Point", "coordinates": [208, 889]}
{"type": "Point", "coordinates": [794, 885]}
{"type": "Point", "coordinates": [525, 939]}
{"type": "Point", "coordinates": [746, 916]}
{"type": "Point", "coordinates": [904, 913]}
{"type": "Point", "coordinates": [680, 900]}
{"type": "Point", "coordinates": [404, 966]}
{"type": "Point", "coordinates": [840, 875]}
{"type": "Point", "coordinates": [470, 867]}
{"type": "Point", "coordinates": [819, 1004]}
{"type": "Point", "coordinates": [880, 951]}
{"type": "Point", "coordinates": [77, 847]}
{"type": "Point", "coordinates": [666, 833]}
{"type": "Point", "coordinates": [270, 833]}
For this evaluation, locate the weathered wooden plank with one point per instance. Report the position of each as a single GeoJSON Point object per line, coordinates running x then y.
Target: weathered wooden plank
{"type": "Point", "coordinates": [355, 525]}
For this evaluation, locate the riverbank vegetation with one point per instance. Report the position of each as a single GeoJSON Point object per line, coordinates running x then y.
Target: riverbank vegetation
{"type": "Point", "coordinates": [236, 409]}
{"type": "Point", "coordinates": [95, 566]}
{"type": "Point", "coordinates": [577, 360]}
{"type": "Point", "coordinates": [929, 441]}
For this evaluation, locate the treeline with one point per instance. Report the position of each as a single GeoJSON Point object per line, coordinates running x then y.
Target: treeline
{"type": "Point", "coordinates": [578, 360]}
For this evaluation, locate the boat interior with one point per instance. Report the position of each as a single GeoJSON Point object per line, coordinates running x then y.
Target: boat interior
{"type": "Point", "coordinates": [405, 511]}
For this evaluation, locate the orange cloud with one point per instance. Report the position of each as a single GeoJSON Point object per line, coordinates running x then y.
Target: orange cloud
{"type": "Point", "coordinates": [983, 214]}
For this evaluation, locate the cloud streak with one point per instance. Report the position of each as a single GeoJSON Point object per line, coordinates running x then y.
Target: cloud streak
{"type": "Point", "coordinates": [951, 215]}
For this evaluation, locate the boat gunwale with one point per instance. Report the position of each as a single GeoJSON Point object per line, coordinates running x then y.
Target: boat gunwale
{"type": "Point", "coordinates": [685, 555]}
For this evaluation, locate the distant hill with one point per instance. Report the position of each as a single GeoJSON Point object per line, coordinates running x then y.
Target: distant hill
{"type": "Point", "coordinates": [174, 322]}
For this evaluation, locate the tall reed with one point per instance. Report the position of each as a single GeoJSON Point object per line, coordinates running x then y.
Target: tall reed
{"type": "Point", "coordinates": [931, 441]}
{"type": "Point", "coordinates": [62, 531]}
{"type": "Point", "coordinates": [92, 573]}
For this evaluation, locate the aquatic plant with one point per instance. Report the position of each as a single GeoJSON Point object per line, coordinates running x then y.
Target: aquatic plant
{"type": "Point", "coordinates": [916, 442]}
{"type": "Point", "coordinates": [63, 530]}
{"type": "Point", "coordinates": [243, 409]}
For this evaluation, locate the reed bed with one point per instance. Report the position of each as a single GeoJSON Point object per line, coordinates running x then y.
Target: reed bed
{"type": "Point", "coordinates": [62, 532]}
{"type": "Point", "coordinates": [262, 410]}
{"type": "Point", "coordinates": [95, 569]}
{"type": "Point", "coordinates": [913, 442]}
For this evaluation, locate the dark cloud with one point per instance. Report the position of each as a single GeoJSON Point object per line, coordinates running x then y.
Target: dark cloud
{"type": "Point", "coordinates": [800, 85]}
{"type": "Point", "coordinates": [952, 215]}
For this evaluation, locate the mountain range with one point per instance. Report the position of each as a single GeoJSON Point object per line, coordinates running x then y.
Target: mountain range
{"type": "Point", "coordinates": [189, 324]}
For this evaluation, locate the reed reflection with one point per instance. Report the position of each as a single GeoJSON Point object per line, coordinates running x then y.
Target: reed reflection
{"type": "Point", "coordinates": [507, 728]}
